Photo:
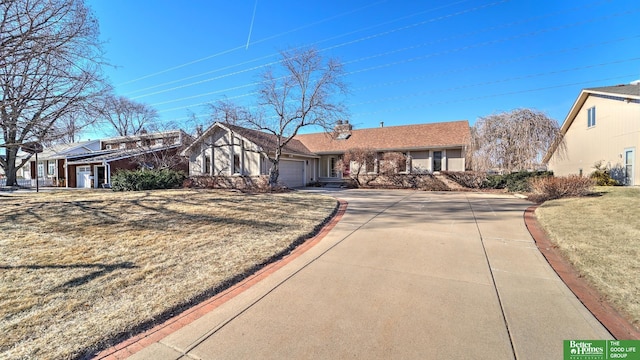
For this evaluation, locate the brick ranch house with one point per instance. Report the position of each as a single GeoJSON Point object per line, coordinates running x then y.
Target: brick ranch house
{"type": "Point", "coordinates": [230, 150]}
{"type": "Point", "coordinates": [91, 164]}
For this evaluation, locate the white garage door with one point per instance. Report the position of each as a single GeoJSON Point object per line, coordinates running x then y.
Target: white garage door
{"type": "Point", "coordinates": [83, 176]}
{"type": "Point", "coordinates": [292, 173]}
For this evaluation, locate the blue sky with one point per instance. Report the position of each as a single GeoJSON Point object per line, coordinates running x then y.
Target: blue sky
{"type": "Point", "coordinates": [407, 62]}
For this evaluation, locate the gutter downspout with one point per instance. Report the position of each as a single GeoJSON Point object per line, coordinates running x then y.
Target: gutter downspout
{"type": "Point", "coordinates": [108, 172]}
{"type": "Point", "coordinates": [66, 172]}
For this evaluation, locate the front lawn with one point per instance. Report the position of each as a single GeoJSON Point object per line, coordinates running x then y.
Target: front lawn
{"type": "Point", "coordinates": [600, 236]}
{"type": "Point", "coordinates": [81, 269]}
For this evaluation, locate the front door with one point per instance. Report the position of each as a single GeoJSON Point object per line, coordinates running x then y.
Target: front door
{"type": "Point", "coordinates": [628, 167]}
{"type": "Point", "coordinates": [437, 161]}
{"type": "Point", "coordinates": [100, 176]}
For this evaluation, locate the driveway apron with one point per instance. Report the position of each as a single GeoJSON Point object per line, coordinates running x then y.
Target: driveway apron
{"type": "Point", "coordinates": [403, 275]}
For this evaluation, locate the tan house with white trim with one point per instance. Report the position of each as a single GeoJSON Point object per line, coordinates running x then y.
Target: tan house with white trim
{"type": "Point", "coordinates": [230, 150]}
{"type": "Point", "coordinates": [602, 126]}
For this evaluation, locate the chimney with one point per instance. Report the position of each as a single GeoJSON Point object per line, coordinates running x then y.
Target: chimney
{"type": "Point", "coordinates": [199, 130]}
{"type": "Point", "coordinates": [381, 123]}
{"type": "Point", "coordinates": [343, 126]}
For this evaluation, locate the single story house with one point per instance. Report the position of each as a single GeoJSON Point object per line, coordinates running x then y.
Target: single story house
{"type": "Point", "coordinates": [91, 164]}
{"type": "Point", "coordinates": [603, 126]}
{"type": "Point", "coordinates": [231, 150]}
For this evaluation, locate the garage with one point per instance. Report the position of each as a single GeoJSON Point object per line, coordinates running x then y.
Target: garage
{"type": "Point", "coordinates": [292, 173]}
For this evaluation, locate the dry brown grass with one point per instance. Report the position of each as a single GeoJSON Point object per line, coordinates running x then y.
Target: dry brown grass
{"type": "Point", "coordinates": [80, 270]}
{"type": "Point", "coordinates": [601, 237]}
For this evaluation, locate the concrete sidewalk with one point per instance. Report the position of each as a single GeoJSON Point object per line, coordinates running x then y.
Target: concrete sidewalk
{"type": "Point", "coordinates": [403, 275]}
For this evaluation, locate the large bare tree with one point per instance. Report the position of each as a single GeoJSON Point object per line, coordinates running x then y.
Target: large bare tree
{"type": "Point", "coordinates": [305, 90]}
{"type": "Point", "coordinates": [50, 60]}
{"type": "Point", "coordinates": [126, 116]}
{"type": "Point", "coordinates": [514, 140]}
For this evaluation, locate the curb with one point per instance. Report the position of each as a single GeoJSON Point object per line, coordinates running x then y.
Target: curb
{"type": "Point", "coordinates": [616, 324]}
{"type": "Point", "coordinates": [157, 333]}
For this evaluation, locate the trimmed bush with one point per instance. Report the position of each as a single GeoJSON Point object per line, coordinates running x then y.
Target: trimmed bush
{"type": "Point", "coordinates": [549, 188]}
{"type": "Point", "coordinates": [137, 180]}
{"type": "Point", "coordinates": [514, 182]}
{"type": "Point", "coordinates": [602, 175]}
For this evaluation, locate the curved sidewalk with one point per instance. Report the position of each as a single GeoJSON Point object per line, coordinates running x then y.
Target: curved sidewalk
{"type": "Point", "coordinates": [404, 274]}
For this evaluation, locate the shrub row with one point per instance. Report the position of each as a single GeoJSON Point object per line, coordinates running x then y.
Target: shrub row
{"type": "Point", "coordinates": [258, 183]}
{"type": "Point", "coordinates": [549, 188]}
{"type": "Point", "coordinates": [403, 181]}
{"type": "Point", "coordinates": [136, 180]}
{"type": "Point", "coordinates": [514, 182]}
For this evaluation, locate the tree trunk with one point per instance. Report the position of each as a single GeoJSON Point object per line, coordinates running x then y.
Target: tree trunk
{"type": "Point", "coordinates": [11, 170]}
{"type": "Point", "coordinates": [274, 172]}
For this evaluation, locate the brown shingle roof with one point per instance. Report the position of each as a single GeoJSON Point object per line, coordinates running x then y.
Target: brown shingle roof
{"type": "Point", "coordinates": [406, 137]}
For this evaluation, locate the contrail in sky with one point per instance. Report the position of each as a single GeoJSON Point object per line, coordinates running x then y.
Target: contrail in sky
{"type": "Point", "coordinates": [251, 27]}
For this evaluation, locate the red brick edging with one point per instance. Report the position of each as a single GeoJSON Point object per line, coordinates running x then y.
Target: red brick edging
{"type": "Point", "coordinates": [157, 333]}
{"type": "Point", "coordinates": [617, 325]}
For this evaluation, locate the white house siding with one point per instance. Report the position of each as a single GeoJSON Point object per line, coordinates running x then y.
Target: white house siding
{"type": "Point", "coordinates": [455, 160]}
{"type": "Point", "coordinates": [617, 129]}
{"type": "Point", "coordinates": [218, 147]}
{"type": "Point", "coordinates": [421, 161]}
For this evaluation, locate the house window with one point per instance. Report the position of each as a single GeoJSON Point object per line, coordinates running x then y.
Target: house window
{"type": "Point", "coordinates": [52, 168]}
{"type": "Point", "coordinates": [370, 166]}
{"type": "Point", "coordinates": [107, 147]}
{"type": "Point", "coordinates": [236, 164]}
{"type": "Point", "coordinates": [40, 170]}
{"type": "Point", "coordinates": [591, 117]}
{"type": "Point", "coordinates": [207, 164]}
{"type": "Point", "coordinates": [332, 167]}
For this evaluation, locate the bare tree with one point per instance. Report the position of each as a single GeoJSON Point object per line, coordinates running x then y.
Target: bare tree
{"type": "Point", "coordinates": [126, 116]}
{"type": "Point", "coordinates": [228, 112]}
{"type": "Point", "coordinates": [515, 140]}
{"type": "Point", "coordinates": [357, 161]}
{"type": "Point", "coordinates": [50, 60]}
{"type": "Point", "coordinates": [302, 92]}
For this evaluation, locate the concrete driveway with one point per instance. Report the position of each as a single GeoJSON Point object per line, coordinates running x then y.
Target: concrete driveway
{"type": "Point", "coordinates": [403, 275]}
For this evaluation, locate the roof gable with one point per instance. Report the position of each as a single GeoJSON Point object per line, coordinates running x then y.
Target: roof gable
{"type": "Point", "coordinates": [265, 141]}
{"type": "Point", "coordinates": [629, 91]}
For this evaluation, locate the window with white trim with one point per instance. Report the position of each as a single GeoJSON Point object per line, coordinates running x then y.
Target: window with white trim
{"type": "Point", "coordinates": [591, 117]}
{"type": "Point", "coordinates": [52, 168]}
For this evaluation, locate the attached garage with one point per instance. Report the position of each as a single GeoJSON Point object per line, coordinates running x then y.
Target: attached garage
{"type": "Point", "coordinates": [292, 173]}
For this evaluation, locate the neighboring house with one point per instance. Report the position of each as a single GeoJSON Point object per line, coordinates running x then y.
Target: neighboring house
{"type": "Point", "coordinates": [50, 169]}
{"type": "Point", "coordinates": [225, 149]}
{"type": "Point", "coordinates": [602, 126]}
{"type": "Point", "coordinates": [91, 164]}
